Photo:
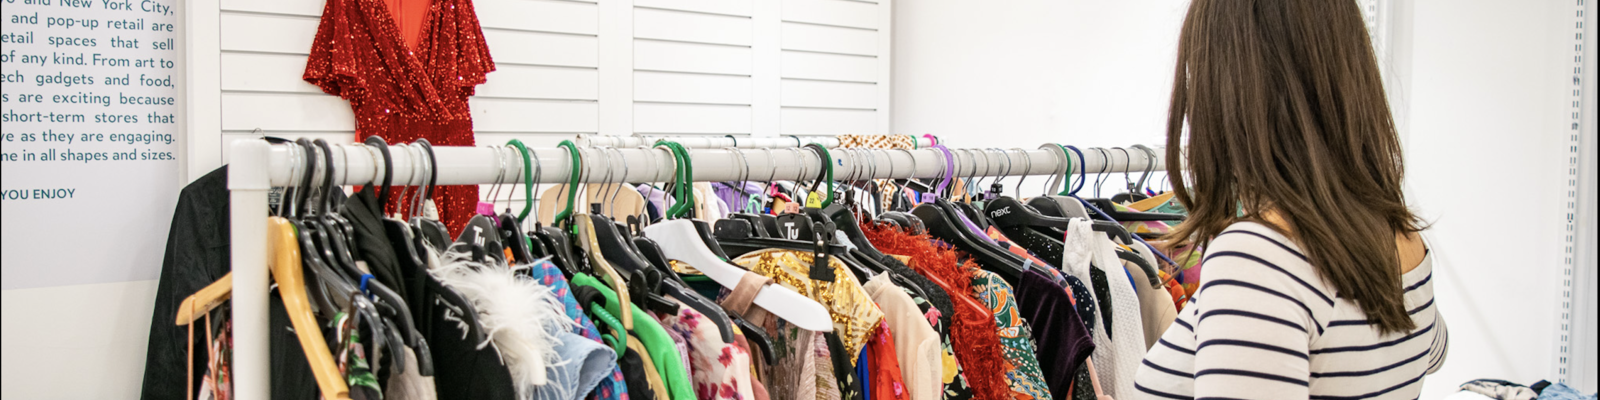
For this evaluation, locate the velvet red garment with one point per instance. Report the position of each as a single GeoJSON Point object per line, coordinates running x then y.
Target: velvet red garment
{"type": "Point", "coordinates": [887, 383]}
{"type": "Point", "coordinates": [977, 343]}
{"type": "Point", "coordinates": [402, 93]}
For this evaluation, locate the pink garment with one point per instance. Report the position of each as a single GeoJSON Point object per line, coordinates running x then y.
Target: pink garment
{"type": "Point", "coordinates": [719, 371]}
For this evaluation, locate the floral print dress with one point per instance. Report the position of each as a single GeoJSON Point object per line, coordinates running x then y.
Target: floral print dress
{"type": "Point", "coordinates": [720, 371]}
{"type": "Point", "coordinates": [1027, 381]}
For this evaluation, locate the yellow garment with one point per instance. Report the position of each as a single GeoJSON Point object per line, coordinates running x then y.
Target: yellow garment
{"type": "Point", "coordinates": [853, 312]}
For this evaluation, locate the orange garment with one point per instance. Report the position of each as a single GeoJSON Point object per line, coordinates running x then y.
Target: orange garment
{"type": "Point", "coordinates": [886, 381]}
{"type": "Point", "coordinates": [409, 14]}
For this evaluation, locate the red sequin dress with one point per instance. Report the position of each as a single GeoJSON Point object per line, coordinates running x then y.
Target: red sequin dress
{"type": "Point", "coordinates": [403, 91]}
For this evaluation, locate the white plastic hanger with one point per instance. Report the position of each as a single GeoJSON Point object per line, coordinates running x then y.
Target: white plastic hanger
{"type": "Point", "coordinates": [679, 241]}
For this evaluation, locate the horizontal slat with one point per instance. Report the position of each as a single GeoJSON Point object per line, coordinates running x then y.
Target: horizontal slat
{"type": "Point", "coordinates": [228, 137]}
{"type": "Point", "coordinates": [505, 115]}
{"type": "Point", "coordinates": [536, 82]}
{"type": "Point", "coordinates": [293, 7]}
{"type": "Point", "coordinates": [542, 48]}
{"type": "Point", "coordinates": [528, 139]}
{"type": "Point", "coordinates": [539, 15]}
{"type": "Point", "coordinates": [811, 121]}
{"type": "Point", "coordinates": [799, 64]}
{"type": "Point", "coordinates": [265, 72]}
{"type": "Point", "coordinates": [691, 27]}
{"type": "Point", "coordinates": [832, 12]}
{"type": "Point", "coordinates": [691, 57]}
{"type": "Point", "coordinates": [829, 39]}
{"type": "Point", "coordinates": [690, 118]}
{"type": "Point", "coordinates": [732, 7]}
{"type": "Point", "coordinates": [829, 94]}
{"type": "Point", "coordinates": [285, 112]}
{"type": "Point", "coordinates": [268, 33]}
{"type": "Point", "coordinates": [690, 88]}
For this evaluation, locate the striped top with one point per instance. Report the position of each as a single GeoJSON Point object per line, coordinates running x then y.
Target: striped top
{"type": "Point", "coordinates": [1264, 325]}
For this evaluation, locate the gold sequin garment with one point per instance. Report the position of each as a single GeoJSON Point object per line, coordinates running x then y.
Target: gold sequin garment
{"type": "Point", "coordinates": [853, 312]}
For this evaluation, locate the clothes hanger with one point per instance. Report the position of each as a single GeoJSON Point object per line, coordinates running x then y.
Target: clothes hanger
{"type": "Point", "coordinates": [411, 254]}
{"type": "Point", "coordinates": [678, 241]}
{"type": "Point", "coordinates": [397, 311]}
{"type": "Point", "coordinates": [941, 222]}
{"type": "Point", "coordinates": [312, 241]}
{"type": "Point", "coordinates": [287, 272]}
{"type": "Point", "coordinates": [431, 226]}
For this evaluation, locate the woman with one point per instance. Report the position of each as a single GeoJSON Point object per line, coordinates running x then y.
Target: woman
{"type": "Point", "coordinates": [1316, 282]}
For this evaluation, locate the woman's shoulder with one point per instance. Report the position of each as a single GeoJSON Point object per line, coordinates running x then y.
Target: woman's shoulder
{"type": "Point", "coordinates": [1258, 256]}
{"type": "Point", "coordinates": [1256, 239]}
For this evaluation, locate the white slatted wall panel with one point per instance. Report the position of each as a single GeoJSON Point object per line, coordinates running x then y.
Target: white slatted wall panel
{"type": "Point", "coordinates": [616, 67]}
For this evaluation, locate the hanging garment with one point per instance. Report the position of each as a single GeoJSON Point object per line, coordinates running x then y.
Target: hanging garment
{"type": "Point", "coordinates": [1063, 342]}
{"type": "Point", "coordinates": [886, 378]}
{"type": "Point", "coordinates": [916, 344]}
{"type": "Point", "coordinates": [1119, 347]}
{"type": "Point", "coordinates": [523, 319]}
{"type": "Point", "coordinates": [403, 92]}
{"type": "Point", "coordinates": [974, 338]}
{"type": "Point", "coordinates": [614, 385]}
{"type": "Point", "coordinates": [1276, 330]}
{"type": "Point", "coordinates": [828, 380]}
{"type": "Point", "coordinates": [720, 371]}
{"type": "Point", "coordinates": [758, 389]}
{"type": "Point", "coordinates": [1155, 306]}
{"type": "Point", "coordinates": [1016, 338]}
{"type": "Point", "coordinates": [653, 381]}
{"type": "Point", "coordinates": [197, 254]}
{"type": "Point", "coordinates": [844, 373]}
{"type": "Point", "coordinates": [854, 313]}
{"type": "Point", "coordinates": [661, 351]}
{"type": "Point", "coordinates": [794, 370]}
{"type": "Point", "coordinates": [635, 374]}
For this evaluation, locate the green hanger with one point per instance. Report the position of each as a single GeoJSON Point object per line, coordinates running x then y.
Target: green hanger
{"type": "Point", "coordinates": [1066, 184]}
{"type": "Point", "coordinates": [572, 186]}
{"type": "Point", "coordinates": [527, 178]}
{"type": "Point", "coordinates": [683, 178]}
{"type": "Point", "coordinates": [617, 336]}
{"type": "Point", "coordinates": [827, 161]}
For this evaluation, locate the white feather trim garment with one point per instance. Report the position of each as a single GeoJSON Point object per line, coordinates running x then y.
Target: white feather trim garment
{"type": "Point", "coordinates": [521, 317]}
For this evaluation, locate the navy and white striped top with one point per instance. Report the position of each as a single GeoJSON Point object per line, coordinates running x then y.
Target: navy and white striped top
{"type": "Point", "coordinates": [1264, 325]}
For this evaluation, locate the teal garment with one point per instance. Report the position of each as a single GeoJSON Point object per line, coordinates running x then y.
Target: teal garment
{"type": "Point", "coordinates": [663, 352]}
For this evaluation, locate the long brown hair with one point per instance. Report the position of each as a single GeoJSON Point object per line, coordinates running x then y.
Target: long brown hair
{"type": "Point", "coordinates": [1287, 115]}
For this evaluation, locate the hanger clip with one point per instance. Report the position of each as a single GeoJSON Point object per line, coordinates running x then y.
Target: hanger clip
{"type": "Point", "coordinates": [820, 270]}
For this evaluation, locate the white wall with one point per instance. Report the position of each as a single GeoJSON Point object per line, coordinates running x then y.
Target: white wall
{"type": "Point", "coordinates": [1024, 73]}
{"type": "Point", "coordinates": [570, 67]}
{"type": "Point", "coordinates": [1482, 89]}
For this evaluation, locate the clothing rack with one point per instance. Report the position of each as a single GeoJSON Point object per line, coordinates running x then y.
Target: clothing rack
{"type": "Point", "coordinates": [257, 166]}
{"type": "Point", "coordinates": [714, 142]}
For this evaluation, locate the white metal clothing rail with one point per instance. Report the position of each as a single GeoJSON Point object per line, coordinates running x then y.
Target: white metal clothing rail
{"type": "Point", "coordinates": [257, 166]}
{"type": "Point", "coordinates": [711, 142]}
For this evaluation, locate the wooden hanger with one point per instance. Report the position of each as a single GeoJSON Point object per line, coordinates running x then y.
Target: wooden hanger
{"type": "Point", "coordinates": [205, 300]}
{"type": "Point", "coordinates": [285, 266]}
{"type": "Point", "coordinates": [286, 271]}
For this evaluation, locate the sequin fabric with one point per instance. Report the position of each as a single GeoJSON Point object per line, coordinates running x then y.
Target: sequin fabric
{"type": "Point", "coordinates": [852, 310]}
{"type": "Point", "coordinates": [402, 93]}
{"type": "Point", "coordinates": [1016, 338]}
